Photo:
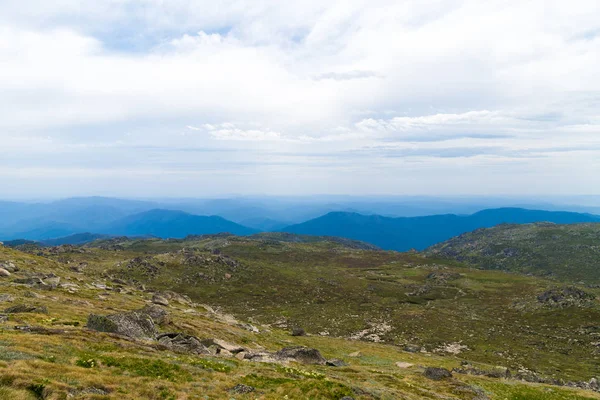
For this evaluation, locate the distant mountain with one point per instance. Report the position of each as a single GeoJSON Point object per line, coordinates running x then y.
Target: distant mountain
{"type": "Point", "coordinates": [173, 224]}
{"type": "Point", "coordinates": [406, 233]}
{"type": "Point", "coordinates": [76, 239]}
{"type": "Point", "coordinates": [568, 252]}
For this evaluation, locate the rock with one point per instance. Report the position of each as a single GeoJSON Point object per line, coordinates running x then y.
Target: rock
{"type": "Point", "coordinates": [29, 281]}
{"type": "Point", "coordinates": [437, 374]}
{"type": "Point", "coordinates": [225, 353]}
{"type": "Point", "coordinates": [4, 273]}
{"type": "Point", "coordinates": [355, 354]}
{"type": "Point", "coordinates": [347, 398]}
{"type": "Point", "coordinates": [442, 277]}
{"type": "Point", "coordinates": [241, 389]}
{"type": "Point", "coordinates": [182, 342]}
{"type": "Point", "coordinates": [248, 327]}
{"type": "Point", "coordinates": [3, 318]}
{"type": "Point", "coordinates": [412, 348]}
{"type": "Point", "coordinates": [301, 354]}
{"type": "Point", "coordinates": [565, 297]}
{"type": "Point", "coordinates": [132, 324]}
{"type": "Point", "coordinates": [594, 385]}
{"type": "Point", "coordinates": [6, 297]}
{"type": "Point", "coordinates": [52, 281]}
{"type": "Point", "coordinates": [336, 363]}
{"type": "Point", "coordinates": [403, 365]}
{"type": "Point", "coordinates": [241, 355]}
{"type": "Point", "coordinates": [9, 266]}
{"type": "Point", "coordinates": [23, 308]}
{"type": "Point", "coordinates": [297, 331]}
{"type": "Point", "coordinates": [223, 345]}
{"type": "Point", "coordinates": [159, 315]}
{"type": "Point", "coordinates": [160, 300]}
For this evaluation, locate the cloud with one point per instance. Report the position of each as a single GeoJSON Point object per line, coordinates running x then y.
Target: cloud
{"type": "Point", "coordinates": [338, 91]}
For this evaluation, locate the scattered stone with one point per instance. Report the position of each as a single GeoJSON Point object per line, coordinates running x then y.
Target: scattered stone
{"type": "Point", "coordinates": [33, 295]}
{"type": "Point", "coordinates": [301, 354]}
{"type": "Point", "coordinates": [241, 355]}
{"type": "Point", "coordinates": [242, 389]}
{"type": "Point", "coordinates": [355, 354]}
{"type": "Point", "coordinates": [39, 330]}
{"type": "Point", "coordinates": [4, 273]}
{"type": "Point", "coordinates": [297, 331]}
{"type": "Point", "coordinates": [182, 343]}
{"type": "Point", "coordinates": [437, 374]}
{"type": "Point", "coordinates": [336, 363]}
{"type": "Point", "coordinates": [3, 318]}
{"type": "Point", "coordinates": [23, 308]}
{"type": "Point", "coordinates": [132, 324]}
{"type": "Point", "coordinates": [160, 300]}
{"type": "Point", "coordinates": [404, 365]}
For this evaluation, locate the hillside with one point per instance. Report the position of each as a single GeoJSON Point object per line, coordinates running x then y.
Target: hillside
{"type": "Point", "coordinates": [403, 234]}
{"type": "Point", "coordinates": [569, 252]}
{"type": "Point", "coordinates": [172, 224]}
{"type": "Point", "coordinates": [384, 318]}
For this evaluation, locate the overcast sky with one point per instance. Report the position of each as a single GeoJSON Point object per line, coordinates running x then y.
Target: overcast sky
{"type": "Point", "coordinates": [203, 98]}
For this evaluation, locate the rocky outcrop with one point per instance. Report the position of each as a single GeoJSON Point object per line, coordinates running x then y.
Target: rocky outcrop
{"type": "Point", "coordinates": [160, 300]}
{"type": "Point", "coordinates": [159, 315]}
{"type": "Point", "coordinates": [565, 297]}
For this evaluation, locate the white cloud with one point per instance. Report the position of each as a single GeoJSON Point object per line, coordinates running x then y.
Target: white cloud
{"type": "Point", "coordinates": [310, 84]}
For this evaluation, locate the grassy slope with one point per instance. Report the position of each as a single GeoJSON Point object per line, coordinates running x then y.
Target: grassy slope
{"type": "Point", "coordinates": [567, 252]}
{"type": "Point", "coordinates": [320, 286]}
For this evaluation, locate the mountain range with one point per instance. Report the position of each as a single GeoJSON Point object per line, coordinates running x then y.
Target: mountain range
{"type": "Point", "coordinates": [68, 219]}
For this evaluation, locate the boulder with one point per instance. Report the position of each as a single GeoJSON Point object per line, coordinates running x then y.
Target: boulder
{"type": "Point", "coordinates": [437, 374]}
{"type": "Point", "coordinates": [4, 273]}
{"type": "Point", "coordinates": [134, 324]}
{"type": "Point", "coordinates": [336, 363]}
{"type": "Point", "coordinates": [159, 315]}
{"type": "Point", "coordinates": [23, 308]}
{"type": "Point", "coordinates": [301, 354]}
{"type": "Point", "coordinates": [9, 266]}
{"type": "Point", "coordinates": [160, 300]}
{"type": "Point", "coordinates": [182, 343]}
{"type": "Point", "coordinates": [403, 365]}
{"type": "Point", "coordinates": [297, 331]}
{"type": "Point", "coordinates": [223, 345]}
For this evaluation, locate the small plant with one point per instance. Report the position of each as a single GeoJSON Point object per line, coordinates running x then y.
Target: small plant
{"type": "Point", "coordinates": [86, 363]}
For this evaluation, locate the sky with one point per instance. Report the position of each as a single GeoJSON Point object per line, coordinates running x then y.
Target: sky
{"type": "Point", "coordinates": [194, 98]}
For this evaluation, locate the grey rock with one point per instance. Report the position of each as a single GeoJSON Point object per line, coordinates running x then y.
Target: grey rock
{"type": "Point", "coordinates": [437, 374]}
{"type": "Point", "coordinates": [159, 315]}
{"type": "Point", "coordinates": [336, 363]}
{"type": "Point", "coordinates": [242, 389]}
{"type": "Point", "coordinates": [160, 300]}
{"type": "Point", "coordinates": [24, 308]}
{"type": "Point", "coordinates": [297, 331]}
{"type": "Point", "coordinates": [301, 354]}
{"type": "Point", "coordinates": [6, 297]}
{"type": "Point", "coordinates": [182, 343]}
{"type": "Point", "coordinates": [132, 324]}
{"type": "Point", "coordinates": [4, 273]}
